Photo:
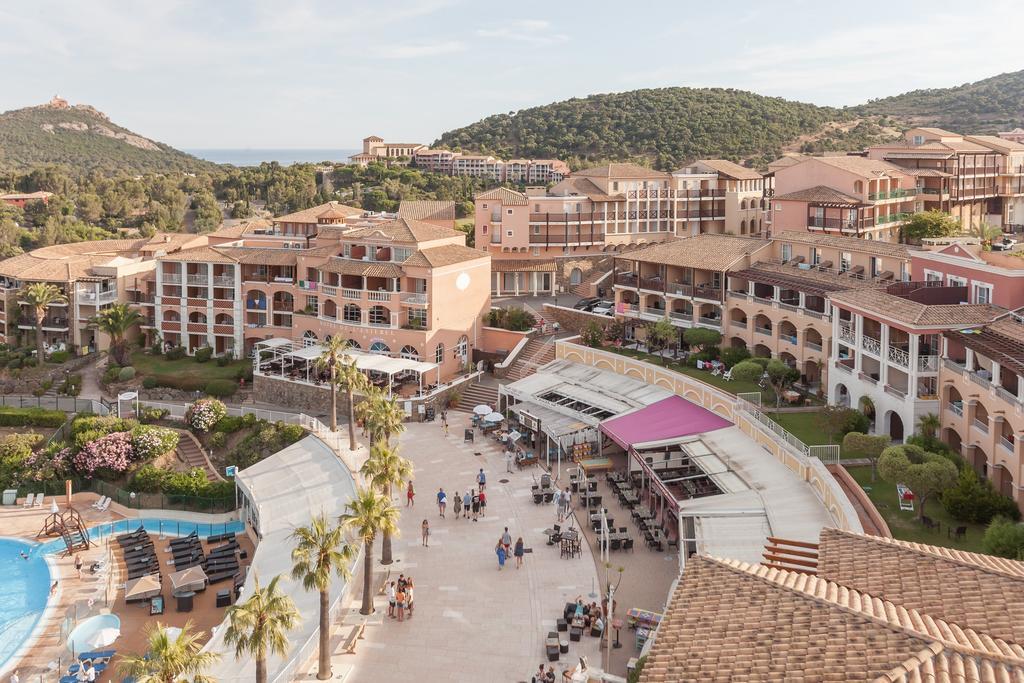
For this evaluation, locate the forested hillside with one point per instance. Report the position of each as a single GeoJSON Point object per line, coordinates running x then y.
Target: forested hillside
{"type": "Point", "coordinates": [83, 139]}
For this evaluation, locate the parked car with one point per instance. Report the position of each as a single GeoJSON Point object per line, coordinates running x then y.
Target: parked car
{"type": "Point", "coordinates": [1006, 243]}
{"type": "Point", "coordinates": [586, 304]}
{"type": "Point", "coordinates": [604, 308]}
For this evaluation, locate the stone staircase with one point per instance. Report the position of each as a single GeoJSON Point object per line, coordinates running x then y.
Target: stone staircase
{"type": "Point", "coordinates": [475, 394]}
{"type": "Point", "coordinates": [192, 455]}
{"type": "Point", "coordinates": [537, 352]}
{"type": "Point", "coordinates": [596, 277]}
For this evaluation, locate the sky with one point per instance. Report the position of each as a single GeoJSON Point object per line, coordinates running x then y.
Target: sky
{"type": "Point", "coordinates": [312, 74]}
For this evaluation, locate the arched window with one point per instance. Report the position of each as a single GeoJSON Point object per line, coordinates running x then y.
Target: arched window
{"type": "Point", "coordinates": [409, 352]}
{"type": "Point", "coordinates": [462, 350]}
{"type": "Point", "coordinates": [379, 347]}
{"type": "Point", "coordinates": [439, 354]}
{"type": "Point", "coordinates": [309, 338]}
{"type": "Point", "coordinates": [379, 315]}
{"type": "Point", "coordinates": [858, 186]}
{"type": "Point", "coordinates": [352, 313]}
{"type": "Point", "coordinates": [224, 319]}
{"type": "Point", "coordinates": [197, 317]}
{"type": "Point", "coordinates": [743, 227]}
{"type": "Point", "coordinates": [353, 344]}
{"type": "Point", "coordinates": [171, 317]}
{"type": "Point", "coordinates": [575, 276]}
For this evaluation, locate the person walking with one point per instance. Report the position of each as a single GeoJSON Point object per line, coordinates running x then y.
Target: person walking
{"type": "Point", "coordinates": [425, 529]}
{"type": "Point", "coordinates": [442, 502]}
{"type": "Point", "coordinates": [467, 500]}
{"type": "Point", "coordinates": [509, 458]}
{"type": "Point", "coordinates": [458, 504]}
{"type": "Point", "coordinates": [566, 503]}
{"type": "Point", "coordinates": [519, 552]}
{"type": "Point", "coordinates": [556, 499]}
{"type": "Point", "coordinates": [78, 565]}
{"type": "Point", "coordinates": [481, 479]}
{"type": "Point", "coordinates": [500, 550]}
{"type": "Point", "coordinates": [444, 426]}
{"type": "Point", "coordinates": [391, 592]}
{"type": "Point", "coordinates": [476, 506]}
{"type": "Point", "coordinates": [483, 504]}
{"type": "Point", "coordinates": [506, 540]}
{"type": "Point", "coordinates": [410, 493]}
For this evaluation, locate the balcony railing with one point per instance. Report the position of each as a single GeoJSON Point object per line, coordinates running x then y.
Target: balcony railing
{"type": "Point", "coordinates": [871, 345]}
{"type": "Point", "coordinates": [844, 367]}
{"type": "Point", "coordinates": [953, 365]}
{"type": "Point", "coordinates": [356, 294]}
{"type": "Point", "coordinates": [812, 345]}
{"type": "Point", "coordinates": [766, 331]}
{"type": "Point", "coordinates": [681, 317]}
{"type": "Point", "coordinates": [254, 305]}
{"type": "Point", "coordinates": [742, 296]}
{"type": "Point", "coordinates": [791, 338]}
{"type": "Point", "coordinates": [706, 292]}
{"type": "Point", "coordinates": [956, 408]}
{"type": "Point", "coordinates": [1007, 395]}
{"type": "Point", "coordinates": [171, 278]}
{"type": "Point", "coordinates": [329, 290]}
{"type": "Point", "coordinates": [1006, 443]}
{"type": "Point", "coordinates": [893, 391]}
{"type": "Point", "coordinates": [710, 322]}
{"type": "Point", "coordinates": [847, 334]}
{"type": "Point", "coordinates": [680, 289]}
{"type": "Point", "coordinates": [414, 298]}
{"type": "Point", "coordinates": [626, 280]}
{"type": "Point", "coordinates": [198, 279]}
{"type": "Point", "coordinates": [981, 425]}
{"type": "Point", "coordinates": [87, 297]}
{"type": "Point", "coordinates": [898, 356]}
{"type": "Point", "coordinates": [863, 376]}
{"type": "Point", "coordinates": [979, 380]}
{"type": "Point", "coordinates": [741, 324]}
{"type": "Point", "coordinates": [927, 363]}
{"type": "Point", "coordinates": [229, 281]}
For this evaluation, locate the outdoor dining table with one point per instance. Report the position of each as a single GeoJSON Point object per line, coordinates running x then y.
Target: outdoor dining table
{"type": "Point", "coordinates": [617, 477]}
{"type": "Point", "coordinates": [642, 617]}
{"type": "Point", "coordinates": [630, 498]}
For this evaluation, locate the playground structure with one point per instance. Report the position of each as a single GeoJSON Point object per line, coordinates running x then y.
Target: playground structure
{"type": "Point", "coordinates": [68, 525]}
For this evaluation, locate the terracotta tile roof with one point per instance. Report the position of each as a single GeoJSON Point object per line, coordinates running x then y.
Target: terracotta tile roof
{"type": "Point", "coordinates": [857, 244]}
{"type": "Point", "coordinates": [974, 591]}
{"type": "Point", "coordinates": [997, 143]}
{"type": "Point", "coordinates": [733, 170]}
{"type": "Point", "coordinates": [366, 268]}
{"type": "Point", "coordinates": [863, 166]}
{"type": "Point", "coordinates": [884, 305]}
{"type": "Point", "coordinates": [427, 210]}
{"type": "Point", "coordinates": [445, 255]}
{"type": "Point", "coordinates": [728, 620]}
{"type": "Point", "coordinates": [927, 173]}
{"type": "Point", "coordinates": [521, 266]}
{"type": "Point", "coordinates": [262, 256]}
{"type": "Point", "coordinates": [822, 194]}
{"type": "Point", "coordinates": [1002, 341]}
{"type": "Point", "coordinates": [623, 170]}
{"type": "Point", "coordinates": [404, 230]}
{"type": "Point", "coordinates": [940, 132]}
{"type": "Point", "coordinates": [584, 187]}
{"type": "Point", "coordinates": [786, 161]}
{"type": "Point", "coordinates": [69, 262]}
{"type": "Point", "coordinates": [811, 280]}
{"type": "Point", "coordinates": [505, 196]}
{"type": "Point", "coordinates": [311, 214]}
{"type": "Point", "coordinates": [709, 252]}
{"type": "Point", "coordinates": [202, 254]}
{"type": "Point", "coordinates": [168, 242]}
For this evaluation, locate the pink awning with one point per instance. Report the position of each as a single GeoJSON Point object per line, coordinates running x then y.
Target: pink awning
{"type": "Point", "coordinates": [670, 418]}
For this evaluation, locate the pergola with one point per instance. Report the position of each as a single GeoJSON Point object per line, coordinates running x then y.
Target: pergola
{"type": "Point", "coordinates": [294, 361]}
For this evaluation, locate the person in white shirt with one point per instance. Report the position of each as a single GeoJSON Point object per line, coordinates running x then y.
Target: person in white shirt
{"type": "Point", "coordinates": [391, 599]}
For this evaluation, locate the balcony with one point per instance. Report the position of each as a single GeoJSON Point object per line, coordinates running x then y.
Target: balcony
{"type": "Point", "coordinates": [893, 391]}
{"type": "Point", "coordinates": [715, 323]}
{"type": "Point", "coordinates": [956, 408]}
{"type": "Point", "coordinates": [871, 345]}
{"type": "Point", "coordinates": [329, 290]}
{"type": "Point", "coordinates": [1006, 395]}
{"type": "Point", "coordinates": [626, 279]}
{"type": "Point", "coordinates": [980, 425]}
{"type": "Point", "coordinates": [256, 305]}
{"type": "Point", "coordinates": [892, 194]}
{"type": "Point", "coordinates": [308, 285]}
{"type": "Point", "coordinates": [844, 368]}
{"type": "Point", "coordinates": [790, 338]}
{"type": "Point", "coordinates": [96, 299]}
{"type": "Point", "coordinates": [739, 324]}
{"type": "Point", "coordinates": [346, 293]}
{"type": "Point", "coordinates": [1006, 443]}
{"type": "Point", "coordinates": [679, 289]}
{"type": "Point", "coordinates": [685, 319]}
{"type": "Point", "coordinates": [380, 296]}
{"type": "Point", "coordinates": [171, 278]}
{"type": "Point", "coordinates": [226, 281]}
{"type": "Point", "coordinates": [953, 366]}
{"type": "Point", "coordinates": [414, 298]}
{"type": "Point", "coordinates": [979, 380]}
{"type": "Point", "coordinates": [898, 356]}
{"type": "Point", "coordinates": [707, 292]}
{"type": "Point", "coordinates": [813, 346]}
{"type": "Point", "coordinates": [742, 296]}
{"type": "Point", "coordinates": [847, 334]}
{"type": "Point", "coordinates": [927, 363]}
{"type": "Point", "coordinates": [863, 376]}
{"type": "Point", "coordinates": [198, 279]}
{"type": "Point", "coordinates": [48, 324]}
{"type": "Point", "coordinates": [766, 331]}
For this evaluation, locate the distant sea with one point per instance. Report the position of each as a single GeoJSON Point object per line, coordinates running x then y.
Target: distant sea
{"type": "Point", "coordinates": [285, 157]}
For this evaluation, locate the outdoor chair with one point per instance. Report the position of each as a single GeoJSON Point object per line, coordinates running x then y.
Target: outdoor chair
{"type": "Point", "coordinates": [628, 544]}
{"type": "Point", "coordinates": [959, 534]}
{"type": "Point", "coordinates": [616, 544]}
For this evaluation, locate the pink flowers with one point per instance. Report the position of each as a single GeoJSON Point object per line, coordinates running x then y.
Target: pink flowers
{"type": "Point", "coordinates": [204, 413]}
{"type": "Point", "coordinates": [113, 452]}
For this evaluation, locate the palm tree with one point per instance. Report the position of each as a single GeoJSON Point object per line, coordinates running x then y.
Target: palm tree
{"type": "Point", "coordinates": [334, 351]}
{"type": "Point", "coordinates": [385, 469]}
{"type": "Point", "coordinates": [382, 417]}
{"type": "Point", "coordinates": [351, 379]}
{"type": "Point", "coordinates": [928, 424]}
{"type": "Point", "coordinates": [259, 626]}
{"type": "Point", "coordinates": [115, 321]}
{"type": "Point", "coordinates": [170, 660]}
{"type": "Point", "coordinates": [40, 296]}
{"type": "Point", "coordinates": [369, 514]}
{"type": "Point", "coordinates": [320, 551]}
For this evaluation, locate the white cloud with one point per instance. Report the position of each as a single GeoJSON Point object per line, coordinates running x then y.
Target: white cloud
{"type": "Point", "coordinates": [414, 50]}
{"type": "Point", "coordinates": [533, 31]}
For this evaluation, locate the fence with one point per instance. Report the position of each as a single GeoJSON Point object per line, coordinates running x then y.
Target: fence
{"type": "Point", "coordinates": [67, 404]}
{"type": "Point", "coordinates": [177, 411]}
{"type": "Point", "coordinates": [131, 499]}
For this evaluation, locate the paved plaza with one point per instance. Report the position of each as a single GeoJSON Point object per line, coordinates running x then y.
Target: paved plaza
{"type": "Point", "coordinates": [472, 622]}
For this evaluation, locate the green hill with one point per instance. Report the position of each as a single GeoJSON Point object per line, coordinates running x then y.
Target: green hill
{"type": "Point", "coordinates": [82, 139]}
{"type": "Point", "coordinates": [986, 106]}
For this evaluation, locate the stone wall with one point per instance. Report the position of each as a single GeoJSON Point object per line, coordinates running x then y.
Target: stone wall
{"type": "Point", "coordinates": [564, 267]}
{"type": "Point", "coordinates": [572, 320]}
{"type": "Point", "coordinates": [312, 400]}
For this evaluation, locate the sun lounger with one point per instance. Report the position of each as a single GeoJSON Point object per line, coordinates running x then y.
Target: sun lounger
{"type": "Point", "coordinates": [219, 552]}
{"type": "Point", "coordinates": [133, 537]}
{"type": "Point", "coordinates": [181, 547]}
{"type": "Point", "coordinates": [30, 499]}
{"type": "Point", "coordinates": [106, 505]}
{"type": "Point", "coordinates": [230, 536]}
{"type": "Point", "coordinates": [39, 500]}
{"type": "Point", "coordinates": [98, 504]}
{"type": "Point", "coordinates": [184, 540]}
{"type": "Point", "coordinates": [220, 575]}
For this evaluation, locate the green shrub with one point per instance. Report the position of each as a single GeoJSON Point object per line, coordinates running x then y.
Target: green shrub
{"type": "Point", "coordinates": [105, 424]}
{"type": "Point", "coordinates": [976, 500]}
{"type": "Point", "coordinates": [149, 479]}
{"type": "Point", "coordinates": [180, 382]}
{"type": "Point", "coordinates": [218, 439]}
{"type": "Point", "coordinates": [59, 356]}
{"type": "Point", "coordinates": [175, 353]}
{"type": "Point", "coordinates": [31, 417]}
{"type": "Point", "coordinates": [203, 355]}
{"type": "Point", "coordinates": [244, 373]}
{"type": "Point", "coordinates": [229, 424]}
{"type": "Point", "coordinates": [29, 363]}
{"type": "Point", "coordinates": [223, 360]}
{"type": "Point", "coordinates": [1004, 538]}
{"type": "Point", "coordinates": [125, 374]}
{"type": "Point", "coordinates": [148, 414]}
{"type": "Point", "coordinates": [149, 382]}
{"type": "Point", "coordinates": [14, 364]}
{"type": "Point", "coordinates": [733, 355]}
{"type": "Point", "coordinates": [220, 388]}
{"type": "Point", "coordinates": [111, 374]}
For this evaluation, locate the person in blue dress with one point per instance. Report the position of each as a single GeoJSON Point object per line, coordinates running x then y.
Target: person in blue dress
{"type": "Point", "coordinates": [500, 550]}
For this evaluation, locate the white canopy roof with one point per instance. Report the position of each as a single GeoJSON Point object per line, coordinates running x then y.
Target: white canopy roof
{"type": "Point", "coordinates": [274, 343]}
{"type": "Point", "coordinates": [287, 490]}
{"type": "Point", "coordinates": [366, 361]}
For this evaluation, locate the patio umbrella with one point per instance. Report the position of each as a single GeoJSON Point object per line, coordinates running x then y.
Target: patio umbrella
{"type": "Point", "coordinates": [53, 506]}
{"type": "Point", "coordinates": [514, 436]}
{"type": "Point", "coordinates": [482, 409]}
{"type": "Point", "coordinates": [94, 633]}
{"type": "Point", "coordinates": [191, 579]}
{"type": "Point", "coordinates": [494, 417]}
{"type": "Point", "coordinates": [142, 587]}
{"type": "Point", "coordinates": [103, 637]}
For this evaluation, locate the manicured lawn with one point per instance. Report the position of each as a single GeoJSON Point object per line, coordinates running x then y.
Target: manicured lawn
{"type": "Point", "coordinates": [145, 364]}
{"type": "Point", "coordinates": [904, 524]}
{"type": "Point", "coordinates": [803, 426]}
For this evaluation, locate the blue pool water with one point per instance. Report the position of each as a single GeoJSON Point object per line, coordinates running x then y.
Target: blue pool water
{"type": "Point", "coordinates": [167, 527]}
{"type": "Point", "coordinates": [24, 589]}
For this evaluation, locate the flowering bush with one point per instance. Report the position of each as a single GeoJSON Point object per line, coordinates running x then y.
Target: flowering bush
{"type": "Point", "coordinates": [111, 452]}
{"type": "Point", "coordinates": [149, 442]}
{"type": "Point", "coordinates": [204, 413]}
{"type": "Point", "coordinates": [48, 464]}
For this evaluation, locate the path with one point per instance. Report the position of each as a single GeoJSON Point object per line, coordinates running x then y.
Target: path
{"type": "Point", "coordinates": [472, 622]}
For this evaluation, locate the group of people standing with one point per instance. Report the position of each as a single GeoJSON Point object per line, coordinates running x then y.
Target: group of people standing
{"type": "Point", "coordinates": [400, 598]}
{"type": "Point", "coordinates": [504, 550]}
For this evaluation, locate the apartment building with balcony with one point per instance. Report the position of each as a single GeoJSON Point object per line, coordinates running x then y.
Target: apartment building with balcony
{"type": "Point", "coordinates": [519, 171]}
{"type": "Point", "coordinates": [995, 277]}
{"type": "Point", "coordinates": [682, 280]}
{"type": "Point", "coordinates": [402, 288]}
{"type": "Point", "coordinates": [543, 240]}
{"type": "Point", "coordinates": [91, 275]}
{"type": "Point", "coordinates": [975, 178]}
{"type": "Point", "coordinates": [844, 195]}
{"type": "Point", "coordinates": [887, 344]}
{"type": "Point", "coordinates": [982, 400]}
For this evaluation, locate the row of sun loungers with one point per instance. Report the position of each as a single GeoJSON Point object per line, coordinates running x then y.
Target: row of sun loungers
{"type": "Point", "coordinates": [34, 500]}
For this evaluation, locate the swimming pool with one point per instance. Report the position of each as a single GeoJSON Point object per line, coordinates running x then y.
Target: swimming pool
{"type": "Point", "coordinates": [166, 527]}
{"type": "Point", "coordinates": [24, 589]}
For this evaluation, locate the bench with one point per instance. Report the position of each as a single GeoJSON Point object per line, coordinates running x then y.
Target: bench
{"type": "Point", "coordinates": [356, 634]}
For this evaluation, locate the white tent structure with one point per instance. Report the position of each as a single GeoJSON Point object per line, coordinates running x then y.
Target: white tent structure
{"type": "Point", "coordinates": [279, 494]}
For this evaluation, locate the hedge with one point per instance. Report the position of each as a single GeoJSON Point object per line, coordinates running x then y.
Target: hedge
{"type": "Point", "coordinates": [220, 388]}
{"type": "Point", "coordinates": [31, 417]}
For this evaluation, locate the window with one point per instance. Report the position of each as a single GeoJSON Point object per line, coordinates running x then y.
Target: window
{"type": "Point", "coordinates": [536, 230]}
{"type": "Point", "coordinates": [876, 266]}
{"type": "Point", "coordinates": [508, 233]}
{"type": "Point", "coordinates": [954, 281]}
{"type": "Point", "coordinates": [615, 186]}
{"type": "Point", "coordinates": [352, 313]}
{"type": "Point", "coordinates": [417, 317]}
{"type": "Point", "coordinates": [485, 206]}
{"type": "Point", "coordinates": [918, 140]}
{"type": "Point", "coordinates": [484, 230]}
{"type": "Point", "coordinates": [536, 251]}
{"type": "Point", "coordinates": [778, 206]}
{"type": "Point", "coordinates": [536, 208]}
{"type": "Point", "coordinates": [400, 254]}
{"type": "Point", "coordinates": [509, 212]}
{"type": "Point", "coordinates": [787, 252]}
{"type": "Point", "coordinates": [844, 261]}
{"type": "Point", "coordinates": [815, 256]}
{"type": "Point", "coordinates": [931, 276]}
{"type": "Point", "coordinates": [982, 293]}
{"type": "Point", "coordinates": [439, 354]}
{"type": "Point", "coordinates": [379, 315]}
{"type": "Point", "coordinates": [312, 303]}
{"type": "Point", "coordinates": [379, 347]}
{"type": "Point", "coordinates": [462, 350]}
